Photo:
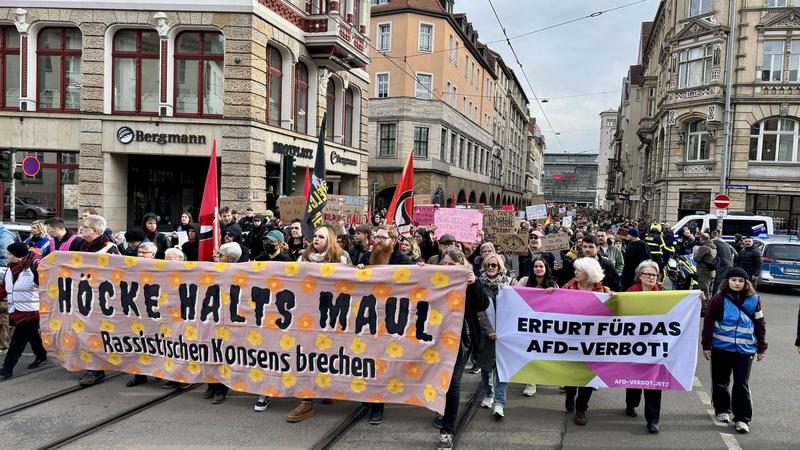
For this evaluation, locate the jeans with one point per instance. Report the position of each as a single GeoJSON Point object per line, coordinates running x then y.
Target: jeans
{"type": "Point", "coordinates": [724, 363]}
{"type": "Point", "coordinates": [218, 388]}
{"type": "Point", "coordinates": [453, 396]}
{"type": "Point", "coordinates": [23, 334]}
{"type": "Point", "coordinates": [652, 402]}
{"type": "Point", "coordinates": [499, 393]}
{"type": "Point", "coordinates": [584, 394]}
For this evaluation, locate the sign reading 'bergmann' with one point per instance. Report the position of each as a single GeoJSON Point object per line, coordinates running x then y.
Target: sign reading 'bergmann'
{"type": "Point", "coordinates": [126, 135]}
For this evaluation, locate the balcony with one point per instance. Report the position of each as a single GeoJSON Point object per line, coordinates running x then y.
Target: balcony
{"type": "Point", "coordinates": [332, 37]}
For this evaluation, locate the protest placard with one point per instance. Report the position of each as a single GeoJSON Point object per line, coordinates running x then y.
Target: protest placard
{"type": "Point", "coordinates": [516, 243]}
{"type": "Point", "coordinates": [496, 222]}
{"type": "Point", "coordinates": [423, 199]}
{"type": "Point", "coordinates": [537, 200]}
{"type": "Point", "coordinates": [463, 224]}
{"type": "Point", "coordinates": [555, 242]}
{"type": "Point", "coordinates": [578, 338]}
{"type": "Point", "coordinates": [380, 334]}
{"type": "Point", "coordinates": [423, 215]}
{"type": "Point", "coordinates": [536, 211]}
{"type": "Point", "coordinates": [566, 221]}
{"type": "Point", "coordinates": [292, 207]}
{"type": "Point", "coordinates": [183, 237]}
{"type": "Point", "coordinates": [344, 208]}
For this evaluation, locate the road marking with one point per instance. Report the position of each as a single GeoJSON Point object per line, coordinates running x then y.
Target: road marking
{"type": "Point", "coordinates": [697, 383]}
{"type": "Point", "coordinates": [714, 419]}
{"type": "Point", "coordinates": [704, 397]}
{"type": "Point", "coordinates": [730, 441]}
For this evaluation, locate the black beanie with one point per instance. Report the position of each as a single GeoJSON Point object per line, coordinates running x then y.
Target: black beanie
{"type": "Point", "coordinates": [18, 249]}
{"type": "Point", "coordinates": [737, 272]}
{"type": "Point", "coordinates": [134, 236]}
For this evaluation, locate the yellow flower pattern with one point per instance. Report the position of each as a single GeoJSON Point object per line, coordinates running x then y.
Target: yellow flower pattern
{"type": "Point", "coordinates": [431, 356]}
{"type": "Point", "coordinates": [137, 327]}
{"type": "Point", "coordinates": [292, 269]}
{"type": "Point", "coordinates": [358, 385]}
{"type": "Point", "coordinates": [106, 326]}
{"type": "Point", "coordinates": [402, 275]}
{"type": "Point", "coordinates": [254, 337]}
{"type": "Point", "coordinates": [395, 386]}
{"type": "Point", "coordinates": [76, 260]}
{"type": "Point", "coordinates": [114, 359]}
{"type": "Point", "coordinates": [194, 367]}
{"type": "Point", "coordinates": [130, 261]}
{"type": "Point", "coordinates": [78, 326]}
{"type": "Point", "coordinates": [287, 342]}
{"type": "Point", "coordinates": [102, 259]}
{"type": "Point", "coordinates": [429, 393]}
{"type": "Point", "coordinates": [145, 360]}
{"type": "Point", "coordinates": [323, 380]}
{"type": "Point", "coordinates": [225, 371]}
{"type": "Point", "coordinates": [358, 346]}
{"type": "Point", "coordinates": [288, 380]}
{"type": "Point", "coordinates": [327, 270]}
{"type": "Point", "coordinates": [440, 280]}
{"type": "Point", "coordinates": [190, 332]}
{"type": "Point", "coordinates": [86, 357]}
{"type": "Point", "coordinates": [169, 365]}
{"type": "Point", "coordinates": [255, 375]}
{"type": "Point", "coordinates": [394, 349]}
{"type": "Point", "coordinates": [363, 274]}
{"type": "Point", "coordinates": [435, 317]}
{"type": "Point", "coordinates": [165, 330]}
{"type": "Point", "coordinates": [322, 342]}
{"type": "Point", "coordinates": [222, 333]}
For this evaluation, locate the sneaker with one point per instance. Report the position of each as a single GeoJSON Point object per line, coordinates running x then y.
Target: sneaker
{"type": "Point", "coordinates": [40, 360]}
{"type": "Point", "coordinates": [209, 393]}
{"type": "Point", "coordinates": [474, 369]}
{"type": "Point", "coordinates": [742, 427]}
{"type": "Point", "coordinates": [262, 403]}
{"type": "Point", "coordinates": [652, 427]}
{"type": "Point", "coordinates": [580, 418]}
{"type": "Point", "coordinates": [529, 390]}
{"type": "Point", "coordinates": [375, 416]}
{"type": "Point", "coordinates": [301, 412]}
{"type": "Point", "coordinates": [136, 380]}
{"type": "Point", "coordinates": [724, 417]}
{"type": "Point", "coordinates": [218, 398]}
{"type": "Point", "coordinates": [630, 412]}
{"type": "Point", "coordinates": [487, 401]}
{"type": "Point", "coordinates": [445, 441]}
{"type": "Point", "coordinates": [438, 420]}
{"type": "Point", "coordinates": [169, 384]}
{"type": "Point", "coordinates": [498, 411]}
{"type": "Point", "coordinates": [92, 377]}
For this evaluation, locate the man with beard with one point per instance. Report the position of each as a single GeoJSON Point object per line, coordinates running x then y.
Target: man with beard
{"type": "Point", "coordinates": [361, 243]}
{"type": "Point", "coordinates": [385, 251]}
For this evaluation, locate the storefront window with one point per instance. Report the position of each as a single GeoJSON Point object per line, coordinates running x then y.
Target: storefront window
{"type": "Point", "coordinates": [51, 192]}
{"type": "Point", "coordinates": [692, 202]}
{"type": "Point", "coordinates": [784, 210]}
{"type": "Point", "coordinates": [199, 65]}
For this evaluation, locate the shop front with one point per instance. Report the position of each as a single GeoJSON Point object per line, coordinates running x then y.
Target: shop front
{"type": "Point", "coordinates": [784, 210]}
{"type": "Point", "coordinates": [693, 202]}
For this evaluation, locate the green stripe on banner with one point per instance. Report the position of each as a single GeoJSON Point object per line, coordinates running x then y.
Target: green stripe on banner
{"type": "Point", "coordinates": [638, 304]}
{"type": "Point", "coordinates": [556, 373]}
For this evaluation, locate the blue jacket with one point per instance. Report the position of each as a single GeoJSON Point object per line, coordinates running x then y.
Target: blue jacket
{"type": "Point", "coordinates": [42, 243]}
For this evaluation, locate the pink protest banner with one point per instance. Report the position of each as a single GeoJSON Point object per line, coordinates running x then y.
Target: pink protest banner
{"type": "Point", "coordinates": [379, 334]}
{"type": "Point", "coordinates": [463, 224]}
{"type": "Point", "coordinates": [423, 215]}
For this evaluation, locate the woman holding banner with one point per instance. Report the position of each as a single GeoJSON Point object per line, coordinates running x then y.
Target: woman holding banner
{"type": "Point", "coordinates": [493, 278]}
{"type": "Point", "coordinates": [646, 280]}
{"type": "Point", "coordinates": [588, 277]}
{"type": "Point", "coordinates": [323, 249]}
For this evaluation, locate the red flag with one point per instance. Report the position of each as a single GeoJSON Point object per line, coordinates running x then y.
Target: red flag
{"type": "Point", "coordinates": [402, 206]}
{"type": "Point", "coordinates": [453, 204]}
{"type": "Point", "coordinates": [307, 185]}
{"type": "Point", "coordinates": [209, 238]}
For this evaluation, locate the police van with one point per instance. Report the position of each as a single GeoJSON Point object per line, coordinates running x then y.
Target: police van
{"type": "Point", "coordinates": [780, 263]}
{"type": "Point", "coordinates": [734, 223]}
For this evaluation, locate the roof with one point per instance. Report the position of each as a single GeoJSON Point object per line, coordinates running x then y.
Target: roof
{"type": "Point", "coordinates": [426, 5]}
{"type": "Point", "coordinates": [635, 74]}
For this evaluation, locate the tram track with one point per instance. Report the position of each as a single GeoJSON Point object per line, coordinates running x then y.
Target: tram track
{"type": "Point", "coordinates": [52, 396]}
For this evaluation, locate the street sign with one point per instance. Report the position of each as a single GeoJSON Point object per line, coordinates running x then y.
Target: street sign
{"type": "Point", "coordinates": [31, 166]}
{"type": "Point", "coordinates": [722, 213]}
{"type": "Point", "coordinates": [737, 187]}
{"type": "Point", "coordinates": [722, 201]}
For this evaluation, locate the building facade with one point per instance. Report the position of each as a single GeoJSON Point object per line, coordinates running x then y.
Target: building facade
{"type": "Point", "coordinates": [686, 159]}
{"type": "Point", "coordinates": [570, 178]}
{"type": "Point", "coordinates": [437, 93]}
{"type": "Point", "coordinates": [608, 127]}
{"type": "Point", "coordinates": [122, 105]}
{"type": "Point", "coordinates": [535, 165]}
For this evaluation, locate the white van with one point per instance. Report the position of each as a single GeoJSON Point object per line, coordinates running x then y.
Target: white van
{"type": "Point", "coordinates": [745, 224]}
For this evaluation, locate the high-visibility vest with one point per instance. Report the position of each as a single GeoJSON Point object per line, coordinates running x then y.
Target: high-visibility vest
{"type": "Point", "coordinates": [734, 332]}
{"type": "Point", "coordinates": [655, 243]}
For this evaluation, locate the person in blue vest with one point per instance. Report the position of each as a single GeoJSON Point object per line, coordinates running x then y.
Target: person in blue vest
{"type": "Point", "coordinates": [734, 330]}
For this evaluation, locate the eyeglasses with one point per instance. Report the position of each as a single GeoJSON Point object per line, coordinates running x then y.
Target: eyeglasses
{"type": "Point", "coordinates": [534, 237]}
{"type": "Point", "coordinates": [381, 238]}
{"type": "Point", "coordinates": [492, 266]}
{"type": "Point", "coordinates": [650, 275]}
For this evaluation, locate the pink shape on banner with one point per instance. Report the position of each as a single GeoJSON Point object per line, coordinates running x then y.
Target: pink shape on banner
{"type": "Point", "coordinates": [563, 301]}
{"type": "Point", "coordinates": [620, 375]}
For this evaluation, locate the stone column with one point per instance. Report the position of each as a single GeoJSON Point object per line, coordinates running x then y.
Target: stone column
{"type": "Point", "coordinates": [165, 104]}
{"type": "Point", "coordinates": [22, 25]}
{"type": "Point", "coordinates": [243, 172]}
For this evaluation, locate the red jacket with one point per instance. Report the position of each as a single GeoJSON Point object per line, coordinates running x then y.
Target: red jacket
{"type": "Point", "coordinates": [638, 288]}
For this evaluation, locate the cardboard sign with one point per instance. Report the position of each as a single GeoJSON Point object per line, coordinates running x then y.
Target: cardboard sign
{"type": "Point", "coordinates": [423, 199]}
{"type": "Point", "coordinates": [423, 215]}
{"type": "Point", "coordinates": [386, 334]}
{"type": "Point", "coordinates": [566, 221]}
{"type": "Point", "coordinates": [463, 224]}
{"type": "Point", "coordinates": [344, 208]}
{"type": "Point", "coordinates": [555, 242]}
{"type": "Point", "coordinates": [496, 223]}
{"type": "Point", "coordinates": [537, 200]}
{"type": "Point", "coordinates": [292, 208]}
{"type": "Point", "coordinates": [512, 242]}
{"type": "Point", "coordinates": [536, 211]}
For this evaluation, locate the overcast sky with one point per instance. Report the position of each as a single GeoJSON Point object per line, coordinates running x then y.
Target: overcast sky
{"type": "Point", "coordinates": [588, 56]}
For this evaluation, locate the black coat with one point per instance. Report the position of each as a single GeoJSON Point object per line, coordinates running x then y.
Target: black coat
{"type": "Point", "coordinates": [357, 252]}
{"type": "Point", "coordinates": [398, 258]}
{"type": "Point", "coordinates": [750, 261]}
{"type": "Point", "coordinates": [635, 253]}
{"type": "Point", "coordinates": [281, 257]}
{"type": "Point", "coordinates": [476, 301]}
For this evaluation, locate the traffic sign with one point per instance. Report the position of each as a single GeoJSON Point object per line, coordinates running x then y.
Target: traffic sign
{"type": "Point", "coordinates": [722, 213]}
{"type": "Point", "coordinates": [722, 201]}
{"type": "Point", "coordinates": [31, 166]}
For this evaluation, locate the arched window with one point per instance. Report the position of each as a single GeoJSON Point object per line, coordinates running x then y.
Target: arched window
{"type": "Point", "coordinates": [59, 69]}
{"type": "Point", "coordinates": [9, 68]}
{"type": "Point", "coordinates": [348, 117]}
{"type": "Point", "coordinates": [330, 108]}
{"type": "Point", "coordinates": [301, 98]}
{"type": "Point", "coordinates": [274, 83]}
{"type": "Point", "coordinates": [136, 70]}
{"type": "Point", "coordinates": [697, 142]}
{"type": "Point", "coordinates": [199, 70]}
{"type": "Point", "coordinates": [774, 140]}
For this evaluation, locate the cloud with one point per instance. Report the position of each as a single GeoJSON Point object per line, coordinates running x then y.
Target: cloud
{"type": "Point", "coordinates": [587, 56]}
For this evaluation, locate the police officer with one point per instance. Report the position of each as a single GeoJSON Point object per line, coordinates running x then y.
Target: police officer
{"type": "Point", "coordinates": [655, 243]}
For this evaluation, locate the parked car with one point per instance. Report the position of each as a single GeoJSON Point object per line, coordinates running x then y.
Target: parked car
{"type": "Point", "coordinates": [734, 223]}
{"type": "Point", "coordinates": [28, 208]}
{"type": "Point", "coordinates": [780, 264]}
{"type": "Point", "coordinates": [21, 231]}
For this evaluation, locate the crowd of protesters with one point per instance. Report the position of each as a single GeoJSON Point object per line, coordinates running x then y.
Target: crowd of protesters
{"type": "Point", "coordinates": [605, 254]}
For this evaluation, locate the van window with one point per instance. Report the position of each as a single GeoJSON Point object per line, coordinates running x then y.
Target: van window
{"type": "Point", "coordinates": [694, 225]}
{"type": "Point", "coordinates": [783, 252]}
{"type": "Point", "coordinates": [745, 227]}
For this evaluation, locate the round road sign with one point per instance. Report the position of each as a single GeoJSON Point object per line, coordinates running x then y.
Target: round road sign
{"type": "Point", "coordinates": [722, 201]}
{"type": "Point", "coordinates": [31, 166]}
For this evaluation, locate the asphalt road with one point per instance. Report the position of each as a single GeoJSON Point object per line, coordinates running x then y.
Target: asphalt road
{"type": "Point", "coordinates": [186, 420]}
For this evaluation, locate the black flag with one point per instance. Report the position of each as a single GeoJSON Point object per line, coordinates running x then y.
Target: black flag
{"type": "Point", "coordinates": [318, 196]}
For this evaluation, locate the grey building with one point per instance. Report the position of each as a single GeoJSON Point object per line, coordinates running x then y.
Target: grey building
{"type": "Point", "coordinates": [570, 178]}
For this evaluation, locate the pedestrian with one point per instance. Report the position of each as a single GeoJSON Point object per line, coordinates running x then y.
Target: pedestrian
{"type": "Point", "coordinates": [6, 239]}
{"type": "Point", "coordinates": [183, 225]}
{"type": "Point", "coordinates": [345, 241]}
{"type": "Point", "coordinates": [174, 254]}
{"type": "Point", "coordinates": [588, 277]}
{"type": "Point", "coordinates": [725, 257]}
{"type": "Point", "coordinates": [541, 277]}
{"type": "Point", "coordinates": [636, 251]}
{"type": "Point", "coordinates": [296, 242]}
{"type": "Point", "coordinates": [275, 248]}
{"type": "Point", "coordinates": [410, 248]}
{"type": "Point", "coordinates": [230, 252]}
{"type": "Point", "coordinates": [446, 242]}
{"type": "Point", "coordinates": [233, 233]}
{"type": "Point", "coordinates": [362, 241]}
{"type": "Point", "coordinates": [646, 281]}
{"type": "Point", "coordinates": [589, 249]}
{"type": "Point", "coordinates": [62, 239]}
{"type": "Point", "coordinates": [705, 254]}
{"type": "Point", "coordinates": [38, 242]}
{"type": "Point", "coordinates": [655, 243]}
{"type": "Point", "coordinates": [475, 302]}
{"type": "Point", "coordinates": [95, 240]}
{"type": "Point", "coordinates": [225, 219]}
{"type": "Point", "coordinates": [133, 239]}
{"type": "Point", "coordinates": [258, 228]}
{"type": "Point", "coordinates": [323, 249]}
{"type": "Point", "coordinates": [21, 290]}
{"type": "Point", "coordinates": [246, 222]}
{"type": "Point", "coordinates": [750, 260]}
{"type": "Point", "coordinates": [486, 249]}
{"type": "Point", "coordinates": [147, 250]}
{"type": "Point", "coordinates": [493, 278]}
{"type": "Point", "coordinates": [151, 234]}
{"type": "Point", "coordinates": [427, 247]}
{"type": "Point", "coordinates": [192, 246]}
{"type": "Point", "coordinates": [608, 250]}
{"type": "Point", "coordinates": [734, 330]}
